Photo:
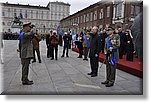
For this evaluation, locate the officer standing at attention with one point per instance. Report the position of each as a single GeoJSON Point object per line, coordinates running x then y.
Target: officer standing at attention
{"type": "Point", "coordinates": [112, 43]}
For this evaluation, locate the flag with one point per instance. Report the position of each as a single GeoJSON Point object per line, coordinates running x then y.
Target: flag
{"type": "Point", "coordinates": [112, 59]}
{"type": "Point", "coordinates": [74, 36]}
{"type": "Point", "coordinates": [58, 30]}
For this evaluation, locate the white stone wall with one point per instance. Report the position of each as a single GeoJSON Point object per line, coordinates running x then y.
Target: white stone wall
{"type": "Point", "coordinates": [58, 12]}
{"type": "Point", "coordinates": [38, 16]}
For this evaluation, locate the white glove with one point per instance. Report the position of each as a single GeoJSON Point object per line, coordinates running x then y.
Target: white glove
{"type": "Point", "coordinates": [96, 55]}
{"type": "Point", "coordinates": [110, 49]}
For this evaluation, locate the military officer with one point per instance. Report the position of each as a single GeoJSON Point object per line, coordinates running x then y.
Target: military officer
{"type": "Point", "coordinates": [26, 51]}
{"type": "Point", "coordinates": [112, 44]}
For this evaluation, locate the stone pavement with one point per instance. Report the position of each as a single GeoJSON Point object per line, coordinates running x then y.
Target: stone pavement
{"type": "Point", "coordinates": [65, 76]}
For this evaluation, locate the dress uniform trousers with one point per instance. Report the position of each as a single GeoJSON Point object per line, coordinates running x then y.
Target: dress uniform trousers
{"type": "Point", "coordinates": [110, 72]}
{"type": "Point", "coordinates": [25, 68]}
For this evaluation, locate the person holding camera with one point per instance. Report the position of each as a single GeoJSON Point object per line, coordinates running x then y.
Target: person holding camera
{"type": "Point", "coordinates": [36, 39]}
{"type": "Point", "coordinates": [54, 42]}
{"type": "Point", "coordinates": [112, 43]}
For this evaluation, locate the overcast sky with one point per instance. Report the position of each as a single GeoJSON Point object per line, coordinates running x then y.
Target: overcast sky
{"type": "Point", "coordinates": [76, 5]}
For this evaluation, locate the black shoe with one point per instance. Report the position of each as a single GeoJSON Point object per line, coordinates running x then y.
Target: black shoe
{"type": "Point", "coordinates": [30, 81]}
{"type": "Point", "coordinates": [62, 56]}
{"type": "Point", "coordinates": [33, 61]}
{"type": "Point", "coordinates": [89, 73]}
{"type": "Point", "coordinates": [93, 75]}
{"type": "Point", "coordinates": [105, 82]}
{"type": "Point", "coordinates": [52, 58]}
{"type": "Point", "coordinates": [27, 83]}
{"type": "Point", "coordinates": [40, 62]}
{"type": "Point", "coordinates": [56, 59]}
{"type": "Point", "coordinates": [67, 56]}
{"type": "Point", "coordinates": [85, 59]}
{"type": "Point", "coordinates": [109, 84]}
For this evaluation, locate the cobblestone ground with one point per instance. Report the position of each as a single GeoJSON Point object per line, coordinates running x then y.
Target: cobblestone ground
{"type": "Point", "coordinates": [65, 76]}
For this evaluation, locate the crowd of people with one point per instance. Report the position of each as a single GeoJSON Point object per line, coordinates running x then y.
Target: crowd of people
{"type": "Point", "coordinates": [10, 36]}
{"type": "Point", "coordinates": [113, 42]}
{"type": "Point", "coordinates": [126, 43]}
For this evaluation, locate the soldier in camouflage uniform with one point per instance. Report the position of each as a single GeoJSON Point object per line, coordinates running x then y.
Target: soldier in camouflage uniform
{"type": "Point", "coordinates": [112, 44]}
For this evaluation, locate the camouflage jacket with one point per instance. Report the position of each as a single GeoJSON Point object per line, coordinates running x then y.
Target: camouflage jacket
{"type": "Point", "coordinates": [115, 42]}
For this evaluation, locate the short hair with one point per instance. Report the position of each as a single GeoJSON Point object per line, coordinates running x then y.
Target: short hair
{"type": "Point", "coordinates": [111, 28]}
{"type": "Point", "coordinates": [95, 27]}
{"type": "Point", "coordinates": [88, 30]}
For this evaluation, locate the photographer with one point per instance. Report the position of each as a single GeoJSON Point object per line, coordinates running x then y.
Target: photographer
{"type": "Point", "coordinates": [54, 42]}
{"type": "Point", "coordinates": [35, 41]}
{"type": "Point", "coordinates": [112, 44]}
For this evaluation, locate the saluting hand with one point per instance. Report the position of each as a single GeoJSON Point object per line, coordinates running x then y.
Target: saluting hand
{"type": "Point", "coordinates": [96, 55]}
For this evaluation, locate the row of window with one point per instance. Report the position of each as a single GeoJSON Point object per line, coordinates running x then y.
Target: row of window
{"type": "Point", "coordinates": [35, 14]}
{"type": "Point", "coordinates": [119, 7]}
{"type": "Point", "coordinates": [59, 8]}
{"type": "Point", "coordinates": [90, 16]}
{"type": "Point", "coordinates": [58, 16]}
{"type": "Point", "coordinates": [32, 14]}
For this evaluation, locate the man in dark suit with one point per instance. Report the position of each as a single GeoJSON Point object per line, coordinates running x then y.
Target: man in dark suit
{"type": "Point", "coordinates": [122, 43]}
{"type": "Point", "coordinates": [80, 45]}
{"type": "Point", "coordinates": [49, 45]}
{"type": "Point", "coordinates": [94, 52]}
{"type": "Point", "coordinates": [67, 41]}
{"type": "Point", "coordinates": [26, 51]}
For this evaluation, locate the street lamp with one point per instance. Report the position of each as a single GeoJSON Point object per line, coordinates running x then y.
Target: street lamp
{"type": "Point", "coordinates": [44, 28]}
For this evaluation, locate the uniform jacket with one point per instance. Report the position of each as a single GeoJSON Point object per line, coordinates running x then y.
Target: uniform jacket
{"type": "Point", "coordinates": [47, 39]}
{"type": "Point", "coordinates": [26, 48]}
{"type": "Point", "coordinates": [115, 42]}
{"type": "Point", "coordinates": [67, 39]}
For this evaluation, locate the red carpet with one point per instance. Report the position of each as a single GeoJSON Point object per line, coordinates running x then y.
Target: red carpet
{"type": "Point", "coordinates": [134, 67]}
